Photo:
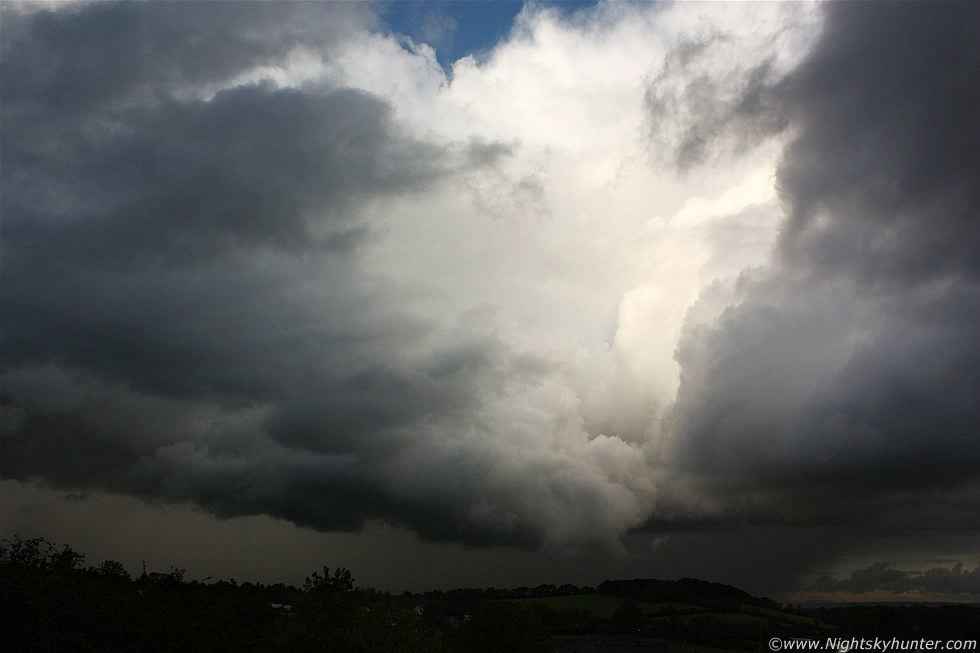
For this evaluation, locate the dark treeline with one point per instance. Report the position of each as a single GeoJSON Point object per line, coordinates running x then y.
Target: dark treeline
{"type": "Point", "coordinates": [51, 601]}
{"type": "Point", "coordinates": [685, 590]}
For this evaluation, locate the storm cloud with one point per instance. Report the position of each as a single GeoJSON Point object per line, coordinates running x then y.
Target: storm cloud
{"type": "Point", "coordinates": [188, 316]}
{"type": "Point", "coordinates": [839, 382]}
{"type": "Point", "coordinates": [881, 576]}
{"type": "Point", "coordinates": [644, 267]}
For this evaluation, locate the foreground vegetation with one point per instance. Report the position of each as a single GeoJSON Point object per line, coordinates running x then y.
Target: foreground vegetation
{"type": "Point", "coordinates": [51, 601]}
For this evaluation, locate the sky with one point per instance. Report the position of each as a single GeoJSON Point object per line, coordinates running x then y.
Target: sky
{"type": "Point", "coordinates": [496, 294]}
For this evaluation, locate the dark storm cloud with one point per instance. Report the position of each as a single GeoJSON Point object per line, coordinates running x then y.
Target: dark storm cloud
{"type": "Point", "coordinates": [697, 116]}
{"type": "Point", "coordinates": [839, 383]}
{"type": "Point", "coordinates": [152, 241]}
{"type": "Point", "coordinates": [890, 98]}
{"type": "Point", "coordinates": [202, 303]}
{"type": "Point", "coordinates": [87, 57]}
{"type": "Point", "coordinates": [184, 315]}
{"type": "Point", "coordinates": [881, 576]}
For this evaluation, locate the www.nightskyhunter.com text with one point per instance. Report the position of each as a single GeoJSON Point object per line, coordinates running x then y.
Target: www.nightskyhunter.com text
{"type": "Point", "coordinates": [845, 644]}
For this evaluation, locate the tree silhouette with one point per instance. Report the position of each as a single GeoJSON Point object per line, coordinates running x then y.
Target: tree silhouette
{"type": "Point", "coordinates": [341, 581]}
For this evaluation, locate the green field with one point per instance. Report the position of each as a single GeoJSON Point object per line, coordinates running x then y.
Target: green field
{"type": "Point", "coordinates": [787, 617]}
{"type": "Point", "coordinates": [676, 607]}
{"type": "Point", "coordinates": [602, 606]}
{"type": "Point", "coordinates": [724, 617]}
{"type": "Point", "coordinates": [598, 605]}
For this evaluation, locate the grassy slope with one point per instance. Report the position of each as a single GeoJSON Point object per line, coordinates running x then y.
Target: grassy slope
{"type": "Point", "coordinates": [603, 606]}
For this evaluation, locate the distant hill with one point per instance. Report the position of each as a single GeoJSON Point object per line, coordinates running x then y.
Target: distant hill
{"type": "Point", "coordinates": [685, 590]}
